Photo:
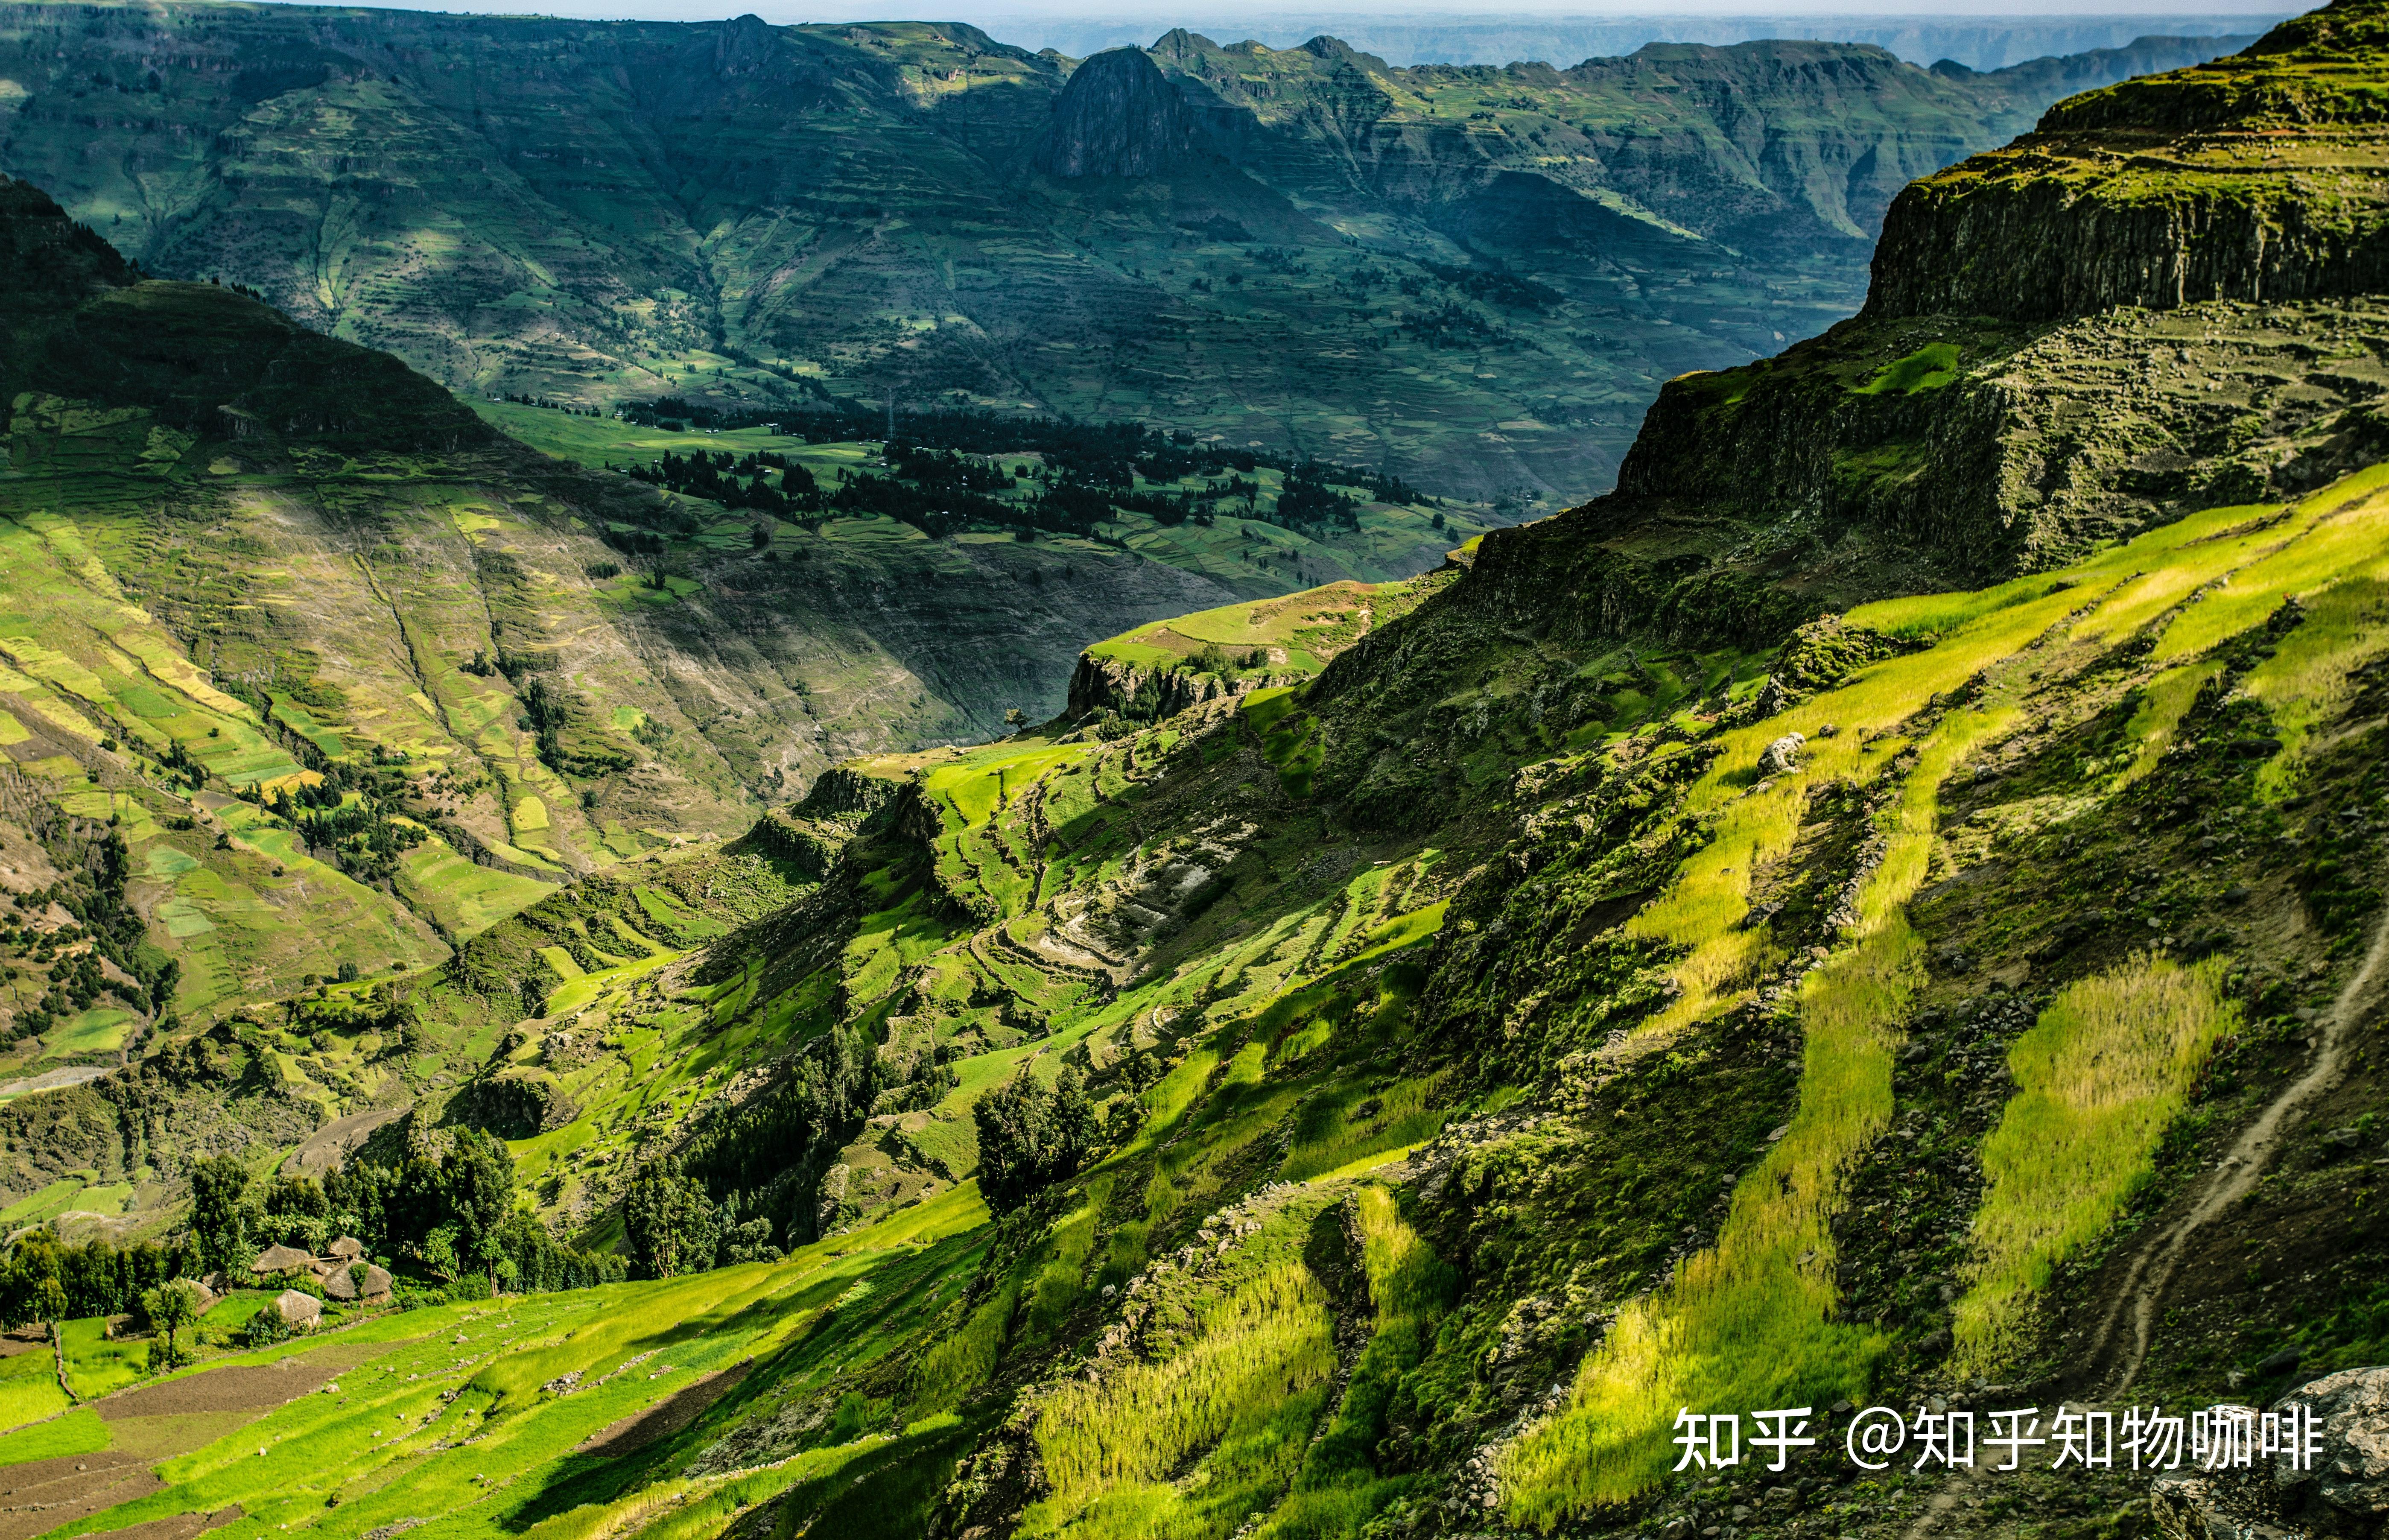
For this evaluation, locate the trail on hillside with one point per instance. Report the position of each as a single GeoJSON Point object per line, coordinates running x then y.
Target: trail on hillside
{"type": "Point", "coordinates": [2151, 1272]}
{"type": "Point", "coordinates": [2159, 1257]}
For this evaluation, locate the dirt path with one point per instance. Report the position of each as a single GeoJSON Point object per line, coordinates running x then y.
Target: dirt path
{"type": "Point", "coordinates": [2153, 1270]}
{"type": "Point", "coordinates": [2121, 1344]}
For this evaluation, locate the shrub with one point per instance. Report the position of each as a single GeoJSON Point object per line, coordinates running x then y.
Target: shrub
{"type": "Point", "coordinates": [263, 1328]}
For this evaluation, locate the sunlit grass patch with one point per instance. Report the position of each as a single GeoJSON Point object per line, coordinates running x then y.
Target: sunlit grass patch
{"type": "Point", "coordinates": [1928, 368]}
{"type": "Point", "coordinates": [1241, 1397]}
{"type": "Point", "coordinates": [2100, 1076]}
{"type": "Point", "coordinates": [1748, 1323]}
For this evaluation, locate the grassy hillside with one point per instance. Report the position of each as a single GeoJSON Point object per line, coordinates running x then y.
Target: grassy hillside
{"type": "Point", "coordinates": [1673, 961]}
{"type": "Point", "coordinates": [351, 678]}
{"type": "Point", "coordinates": [1474, 278]}
{"type": "Point", "coordinates": [1238, 1253]}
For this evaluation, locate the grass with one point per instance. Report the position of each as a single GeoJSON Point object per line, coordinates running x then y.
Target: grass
{"type": "Point", "coordinates": [28, 1389]}
{"type": "Point", "coordinates": [79, 1432]}
{"type": "Point", "coordinates": [97, 1365]}
{"type": "Point", "coordinates": [1339, 1489]}
{"type": "Point", "coordinates": [1928, 368]}
{"type": "Point", "coordinates": [1242, 1396]}
{"type": "Point", "coordinates": [1748, 1324]}
{"type": "Point", "coordinates": [2099, 1077]}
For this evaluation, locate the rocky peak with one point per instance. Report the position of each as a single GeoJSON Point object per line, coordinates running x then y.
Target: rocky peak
{"type": "Point", "coordinates": [46, 258]}
{"type": "Point", "coordinates": [745, 45]}
{"type": "Point", "coordinates": [1118, 116]}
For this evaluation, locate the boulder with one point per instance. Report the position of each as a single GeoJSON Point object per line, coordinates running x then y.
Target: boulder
{"type": "Point", "coordinates": [302, 1311]}
{"type": "Point", "coordinates": [2345, 1496]}
{"type": "Point", "coordinates": [283, 1259]}
{"type": "Point", "coordinates": [1783, 756]}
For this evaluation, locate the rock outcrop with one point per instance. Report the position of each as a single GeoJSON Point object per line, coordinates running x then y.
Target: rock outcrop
{"type": "Point", "coordinates": [1098, 684]}
{"type": "Point", "coordinates": [1119, 117]}
{"type": "Point", "coordinates": [2258, 177]}
{"type": "Point", "coordinates": [2344, 1495]}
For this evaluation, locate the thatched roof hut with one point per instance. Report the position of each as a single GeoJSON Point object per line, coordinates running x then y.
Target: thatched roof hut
{"type": "Point", "coordinates": [282, 1259]}
{"type": "Point", "coordinates": [375, 1286]}
{"type": "Point", "coordinates": [346, 1248]}
{"type": "Point", "coordinates": [337, 1285]}
{"type": "Point", "coordinates": [301, 1310]}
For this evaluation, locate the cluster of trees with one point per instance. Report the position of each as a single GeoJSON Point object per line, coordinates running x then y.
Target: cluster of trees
{"type": "Point", "coordinates": [676, 1227]}
{"type": "Point", "coordinates": [1306, 498]}
{"type": "Point", "coordinates": [563, 406]}
{"type": "Point", "coordinates": [1450, 325]}
{"type": "Point", "coordinates": [1098, 454]}
{"type": "Point", "coordinates": [361, 837]}
{"type": "Point", "coordinates": [722, 477]}
{"type": "Point", "coordinates": [1030, 1136]}
{"type": "Point", "coordinates": [449, 1211]}
{"type": "Point", "coordinates": [96, 865]}
{"type": "Point", "coordinates": [44, 1279]}
{"type": "Point", "coordinates": [1495, 287]}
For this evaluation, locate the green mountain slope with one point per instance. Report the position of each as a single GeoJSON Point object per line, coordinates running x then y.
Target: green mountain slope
{"type": "Point", "coordinates": [1895, 914]}
{"type": "Point", "coordinates": [1473, 278]}
{"type": "Point", "coordinates": [247, 564]}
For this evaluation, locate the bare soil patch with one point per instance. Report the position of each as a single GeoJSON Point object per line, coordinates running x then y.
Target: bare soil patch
{"type": "Point", "coordinates": [630, 1434]}
{"type": "Point", "coordinates": [246, 1388]}
{"type": "Point", "coordinates": [182, 1526]}
{"type": "Point", "coordinates": [330, 1144]}
{"type": "Point", "coordinates": [38, 1497]}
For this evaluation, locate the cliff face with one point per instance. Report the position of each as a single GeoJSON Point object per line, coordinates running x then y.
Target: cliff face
{"type": "Point", "coordinates": [1098, 684]}
{"type": "Point", "coordinates": [1118, 117]}
{"type": "Point", "coordinates": [2258, 177]}
{"type": "Point", "coordinates": [2153, 303]}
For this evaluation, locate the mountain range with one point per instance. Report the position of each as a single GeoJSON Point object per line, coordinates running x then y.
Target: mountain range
{"type": "Point", "coordinates": [1471, 278]}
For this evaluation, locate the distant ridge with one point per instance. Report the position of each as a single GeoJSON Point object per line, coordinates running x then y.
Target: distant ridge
{"type": "Point", "coordinates": [1455, 37]}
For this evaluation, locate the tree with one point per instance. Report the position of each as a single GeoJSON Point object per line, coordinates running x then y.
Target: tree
{"type": "Point", "coordinates": [1031, 1138]}
{"type": "Point", "coordinates": [477, 1184]}
{"type": "Point", "coordinates": [171, 1306]}
{"type": "Point", "coordinates": [670, 1223]}
{"type": "Point", "coordinates": [219, 1213]}
{"type": "Point", "coordinates": [50, 1302]}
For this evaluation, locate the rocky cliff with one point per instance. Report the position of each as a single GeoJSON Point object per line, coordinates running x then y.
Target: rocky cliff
{"type": "Point", "coordinates": [2257, 178]}
{"type": "Point", "coordinates": [2126, 314]}
{"type": "Point", "coordinates": [1118, 117]}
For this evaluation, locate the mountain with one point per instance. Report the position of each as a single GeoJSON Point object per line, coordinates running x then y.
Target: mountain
{"type": "Point", "coordinates": [1474, 279]}
{"type": "Point", "coordinates": [248, 563]}
{"type": "Point", "coordinates": [1981, 42]}
{"type": "Point", "coordinates": [1882, 910]}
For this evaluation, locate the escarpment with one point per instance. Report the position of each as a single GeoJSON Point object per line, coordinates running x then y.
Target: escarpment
{"type": "Point", "coordinates": [1118, 117]}
{"type": "Point", "coordinates": [2260, 177]}
{"type": "Point", "coordinates": [2165, 299]}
